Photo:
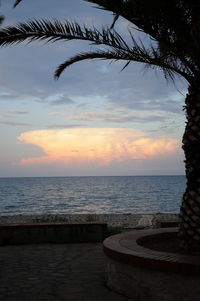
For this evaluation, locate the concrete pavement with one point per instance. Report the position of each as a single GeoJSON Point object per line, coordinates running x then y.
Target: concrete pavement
{"type": "Point", "coordinates": [54, 272]}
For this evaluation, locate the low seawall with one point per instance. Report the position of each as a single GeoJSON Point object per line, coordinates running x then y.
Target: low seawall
{"type": "Point", "coordinates": [126, 220]}
{"type": "Point", "coordinates": [15, 234]}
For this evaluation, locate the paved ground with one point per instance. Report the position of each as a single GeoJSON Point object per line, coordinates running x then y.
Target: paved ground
{"type": "Point", "coordinates": [54, 272]}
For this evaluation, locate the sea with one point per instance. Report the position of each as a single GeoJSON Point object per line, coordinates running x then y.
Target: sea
{"type": "Point", "coordinates": [89, 195]}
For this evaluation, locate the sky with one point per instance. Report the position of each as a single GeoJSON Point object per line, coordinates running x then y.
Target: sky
{"type": "Point", "coordinates": [96, 119]}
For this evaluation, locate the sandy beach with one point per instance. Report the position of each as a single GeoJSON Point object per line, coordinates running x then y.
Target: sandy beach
{"type": "Point", "coordinates": [126, 220]}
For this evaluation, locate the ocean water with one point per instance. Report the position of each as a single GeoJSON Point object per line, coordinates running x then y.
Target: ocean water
{"type": "Point", "coordinates": [67, 195]}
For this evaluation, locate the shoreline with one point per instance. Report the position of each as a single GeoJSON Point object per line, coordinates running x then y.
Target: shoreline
{"type": "Point", "coordinates": [124, 220]}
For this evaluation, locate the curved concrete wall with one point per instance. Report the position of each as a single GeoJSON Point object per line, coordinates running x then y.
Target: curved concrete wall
{"type": "Point", "coordinates": [143, 284]}
{"type": "Point", "coordinates": [145, 274]}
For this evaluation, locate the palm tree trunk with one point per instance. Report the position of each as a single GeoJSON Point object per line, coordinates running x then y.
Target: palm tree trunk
{"type": "Point", "coordinates": [189, 230]}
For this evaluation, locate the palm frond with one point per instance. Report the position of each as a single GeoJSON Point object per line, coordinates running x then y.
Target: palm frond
{"type": "Point", "coordinates": [174, 24]}
{"type": "Point", "coordinates": [115, 6]}
{"type": "Point", "coordinates": [151, 58]}
{"type": "Point", "coordinates": [113, 54]}
{"type": "Point", "coordinates": [1, 19]}
{"type": "Point", "coordinates": [99, 54]}
{"type": "Point", "coordinates": [16, 3]}
{"type": "Point", "coordinates": [53, 31]}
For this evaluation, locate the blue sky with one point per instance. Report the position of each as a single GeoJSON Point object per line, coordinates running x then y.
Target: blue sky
{"type": "Point", "coordinates": [138, 117]}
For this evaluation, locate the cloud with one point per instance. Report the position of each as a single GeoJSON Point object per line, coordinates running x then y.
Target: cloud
{"type": "Point", "coordinates": [119, 117]}
{"type": "Point", "coordinates": [64, 126]}
{"type": "Point", "coordinates": [26, 78]}
{"type": "Point", "coordinates": [13, 123]}
{"type": "Point", "coordinates": [61, 100]}
{"type": "Point", "coordinates": [36, 125]}
{"type": "Point", "coordinates": [5, 96]}
{"type": "Point", "coordinates": [148, 100]}
{"type": "Point", "coordinates": [13, 113]}
{"type": "Point", "coordinates": [54, 113]}
{"type": "Point", "coordinates": [17, 112]}
{"type": "Point", "coordinates": [102, 146]}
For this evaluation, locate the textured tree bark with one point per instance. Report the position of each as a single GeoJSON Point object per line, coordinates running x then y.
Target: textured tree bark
{"type": "Point", "coordinates": [189, 230]}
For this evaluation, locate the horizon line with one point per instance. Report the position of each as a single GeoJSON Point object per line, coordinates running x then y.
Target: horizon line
{"type": "Point", "coordinates": [153, 175]}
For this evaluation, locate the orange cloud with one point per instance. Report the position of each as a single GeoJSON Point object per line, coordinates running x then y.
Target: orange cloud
{"type": "Point", "coordinates": [99, 145]}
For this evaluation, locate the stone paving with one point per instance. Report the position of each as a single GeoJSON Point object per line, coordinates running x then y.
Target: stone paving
{"type": "Point", "coordinates": [54, 272]}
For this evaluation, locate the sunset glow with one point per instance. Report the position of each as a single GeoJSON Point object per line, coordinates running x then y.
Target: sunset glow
{"type": "Point", "coordinates": [93, 121]}
{"type": "Point", "coordinates": [99, 145]}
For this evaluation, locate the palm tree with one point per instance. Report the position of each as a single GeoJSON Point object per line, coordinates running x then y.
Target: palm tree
{"type": "Point", "coordinates": [173, 29]}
